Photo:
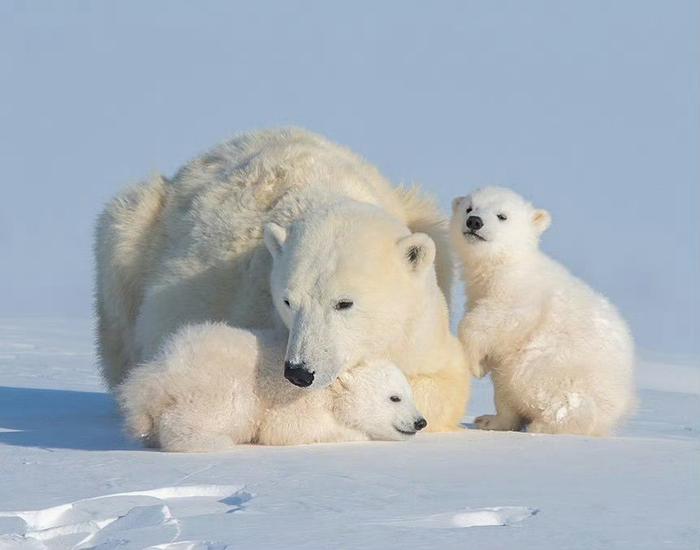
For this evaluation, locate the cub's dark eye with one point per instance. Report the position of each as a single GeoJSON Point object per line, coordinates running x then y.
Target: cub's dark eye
{"type": "Point", "coordinates": [469, 209]}
{"type": "Point", "coordinates": [344, 304]}
{"type": "Point", "coordinates": [395, 399]}
{"type": "Point", "coordinates": [286, 303]}
{"type": "Point", "coordinates": [502, 217]}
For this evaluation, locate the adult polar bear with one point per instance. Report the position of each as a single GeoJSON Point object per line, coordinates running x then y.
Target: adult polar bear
{"type": "Point", "coordinates": [191, 250]}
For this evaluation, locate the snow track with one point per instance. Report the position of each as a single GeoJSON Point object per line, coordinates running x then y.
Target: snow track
{"type": "Point", "coordinates": [471, 517]}
{"type": "Point", "coordinates": [143, 518]}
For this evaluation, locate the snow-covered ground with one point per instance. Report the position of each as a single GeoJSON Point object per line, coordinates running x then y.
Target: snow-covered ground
{"type": "Point", "coordinates": [69, 479]}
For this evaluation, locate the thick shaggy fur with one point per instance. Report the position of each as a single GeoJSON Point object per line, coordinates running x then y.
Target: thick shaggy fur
{"type": "Point", "coordinates": [191, 250]}
{"type": "Point", "coordinates": [560, 356]}
{"type": "Point", "coordinates": [213, 387]}
{"type": "Point", "coordinates": [128, 244]}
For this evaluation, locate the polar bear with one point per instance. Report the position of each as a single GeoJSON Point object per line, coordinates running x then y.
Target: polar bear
{"type": "Point", "coordinates": [561, 358]}
{"type": "Point", "coordinates": [191, 250]}
{"type": "Point", "coordinates": [213, 386]}
{"type": "Point", "coordinates": [373, 297]}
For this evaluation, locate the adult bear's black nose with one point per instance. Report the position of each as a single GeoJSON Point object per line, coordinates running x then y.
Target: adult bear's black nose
{"type": "Point", "coordinates": [297, 374]}
{"type": "Point", "coordinates": [420, 424]}
{"type": "Point", "coordinates": [475, 223]}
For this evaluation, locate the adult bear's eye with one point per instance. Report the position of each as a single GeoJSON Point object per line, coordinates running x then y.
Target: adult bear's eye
{"type": "Point", "coordinates": [469, 209]}
{"type": "Point", "coordinates": [286, 303]}
{"type": "Point", "coordinates": [395, 398]}
{"type": "Point", "coordinates": [502, 217]}
{"type": "Point", "coordinates": [344, 304]}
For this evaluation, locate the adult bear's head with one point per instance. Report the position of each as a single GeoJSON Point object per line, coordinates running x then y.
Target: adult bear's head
{"type": "Point", "coordinates": [348, 281]}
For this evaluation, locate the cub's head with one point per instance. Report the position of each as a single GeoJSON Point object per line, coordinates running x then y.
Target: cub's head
{"type": "Point", "coordinates": [494, 222]}
{"type": "Point", "coordinates": [346, 281]}
{"type": "Point", "coordinates": [375, 398]}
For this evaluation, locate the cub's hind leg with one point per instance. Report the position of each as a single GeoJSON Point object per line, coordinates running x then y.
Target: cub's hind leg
{"type": "Point", "coordinates": [507, 418]}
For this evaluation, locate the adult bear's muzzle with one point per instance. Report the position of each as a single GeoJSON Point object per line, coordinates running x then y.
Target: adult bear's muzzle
{"type": "Point", "coordinates": [297, 374]}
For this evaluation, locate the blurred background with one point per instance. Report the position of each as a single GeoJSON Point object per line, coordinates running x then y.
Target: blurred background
{"type": "Point", "coordinates": [591, 109]}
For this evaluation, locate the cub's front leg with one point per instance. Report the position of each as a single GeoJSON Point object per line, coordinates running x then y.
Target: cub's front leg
{"type": "Point", "coordinates": [490, 329]}
{"type": "Point", "coordinates": [303, 421]}
{"type": "Point", "coordinates": [476, 342]}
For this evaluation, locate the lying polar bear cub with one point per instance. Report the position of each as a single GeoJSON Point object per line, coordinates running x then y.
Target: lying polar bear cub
{"type": "Point", "coordinates": [214, 386]}
{"type": "Point", "coordinates": [560, 356]}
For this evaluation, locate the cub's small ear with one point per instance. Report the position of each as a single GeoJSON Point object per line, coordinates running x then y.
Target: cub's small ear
{"type": "Point", "coordinates": [542, 220]}
{"type": "Point", "coordinates": [456, 202]}
{"type": "Point", "coordinates": [275, 236]}
{"type": "Point", "coordinates": [418, 251]}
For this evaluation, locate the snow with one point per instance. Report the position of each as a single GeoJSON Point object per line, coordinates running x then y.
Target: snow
{"type": "Point", "coordinates": [69, 479]}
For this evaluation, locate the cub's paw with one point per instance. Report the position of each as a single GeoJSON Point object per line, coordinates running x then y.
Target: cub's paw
{"type": "Point", "coordinates": [491, 422]}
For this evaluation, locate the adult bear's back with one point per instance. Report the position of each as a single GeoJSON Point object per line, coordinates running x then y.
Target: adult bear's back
{"type": "Point", "coordinates": [199, 255]}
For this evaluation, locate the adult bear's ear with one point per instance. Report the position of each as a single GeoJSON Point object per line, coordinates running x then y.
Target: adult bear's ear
{"type": "Point", "coordinates": [542, 220]}
{"type": "Point", "coordinates": [456, 202]}
{"type": "Point", "coordinates": [418, 251]}
{"type": "Point", "coordinates": [275, 235]}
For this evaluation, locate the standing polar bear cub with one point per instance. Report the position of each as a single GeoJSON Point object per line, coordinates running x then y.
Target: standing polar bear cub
{"type": "Point", "coordinates": [560, 356]}
{"type": "Point", "coordinates": [214, 386]}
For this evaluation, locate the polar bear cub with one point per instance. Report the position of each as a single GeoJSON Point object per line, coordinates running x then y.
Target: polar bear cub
{"type": "Point", "coordinates": [214, 386]}
{"type": "Point", "coordinates": [560, 356]}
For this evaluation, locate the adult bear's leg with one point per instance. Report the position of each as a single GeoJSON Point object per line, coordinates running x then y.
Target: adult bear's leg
{"type": "Point", "coordinates": [127, 238]}
{"type": "Point", "coordinates": [441, 397]}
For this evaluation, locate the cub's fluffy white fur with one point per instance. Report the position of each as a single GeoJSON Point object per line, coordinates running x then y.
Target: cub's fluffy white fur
{"type": "Point", "coordinates": [214, 386]}
{"type": "Point", "coordinates": [560, 356]}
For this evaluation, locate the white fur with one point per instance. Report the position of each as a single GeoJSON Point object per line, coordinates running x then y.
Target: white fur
{"type": "Point", "coordinates": [191, 250]}
{"type": "Point", "coordinates": [560, 356]}
{"type": "Point", "coordinates": [214, 386]}
{"type": "Point", "coordinates": [398, 311]}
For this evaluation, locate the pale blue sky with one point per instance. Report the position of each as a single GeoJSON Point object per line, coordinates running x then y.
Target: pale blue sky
{"type": "Point", "coordinates": [591, 109]}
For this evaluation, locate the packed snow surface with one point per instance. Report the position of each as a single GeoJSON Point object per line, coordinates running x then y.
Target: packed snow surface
{"type": "Point", "coordinates": [70, 479]}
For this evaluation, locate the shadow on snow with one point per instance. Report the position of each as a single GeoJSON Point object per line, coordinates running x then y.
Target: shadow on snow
{"type": "Point", "coordinates": [62, 419]}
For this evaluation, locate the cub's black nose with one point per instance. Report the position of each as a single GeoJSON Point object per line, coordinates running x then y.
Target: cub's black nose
{"type": "Point", "coordinates": [475, 223]}
{"type": "Point", "coordinates": [420, 424]}
{"type": "Point", "coordinates": [297, 374]}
